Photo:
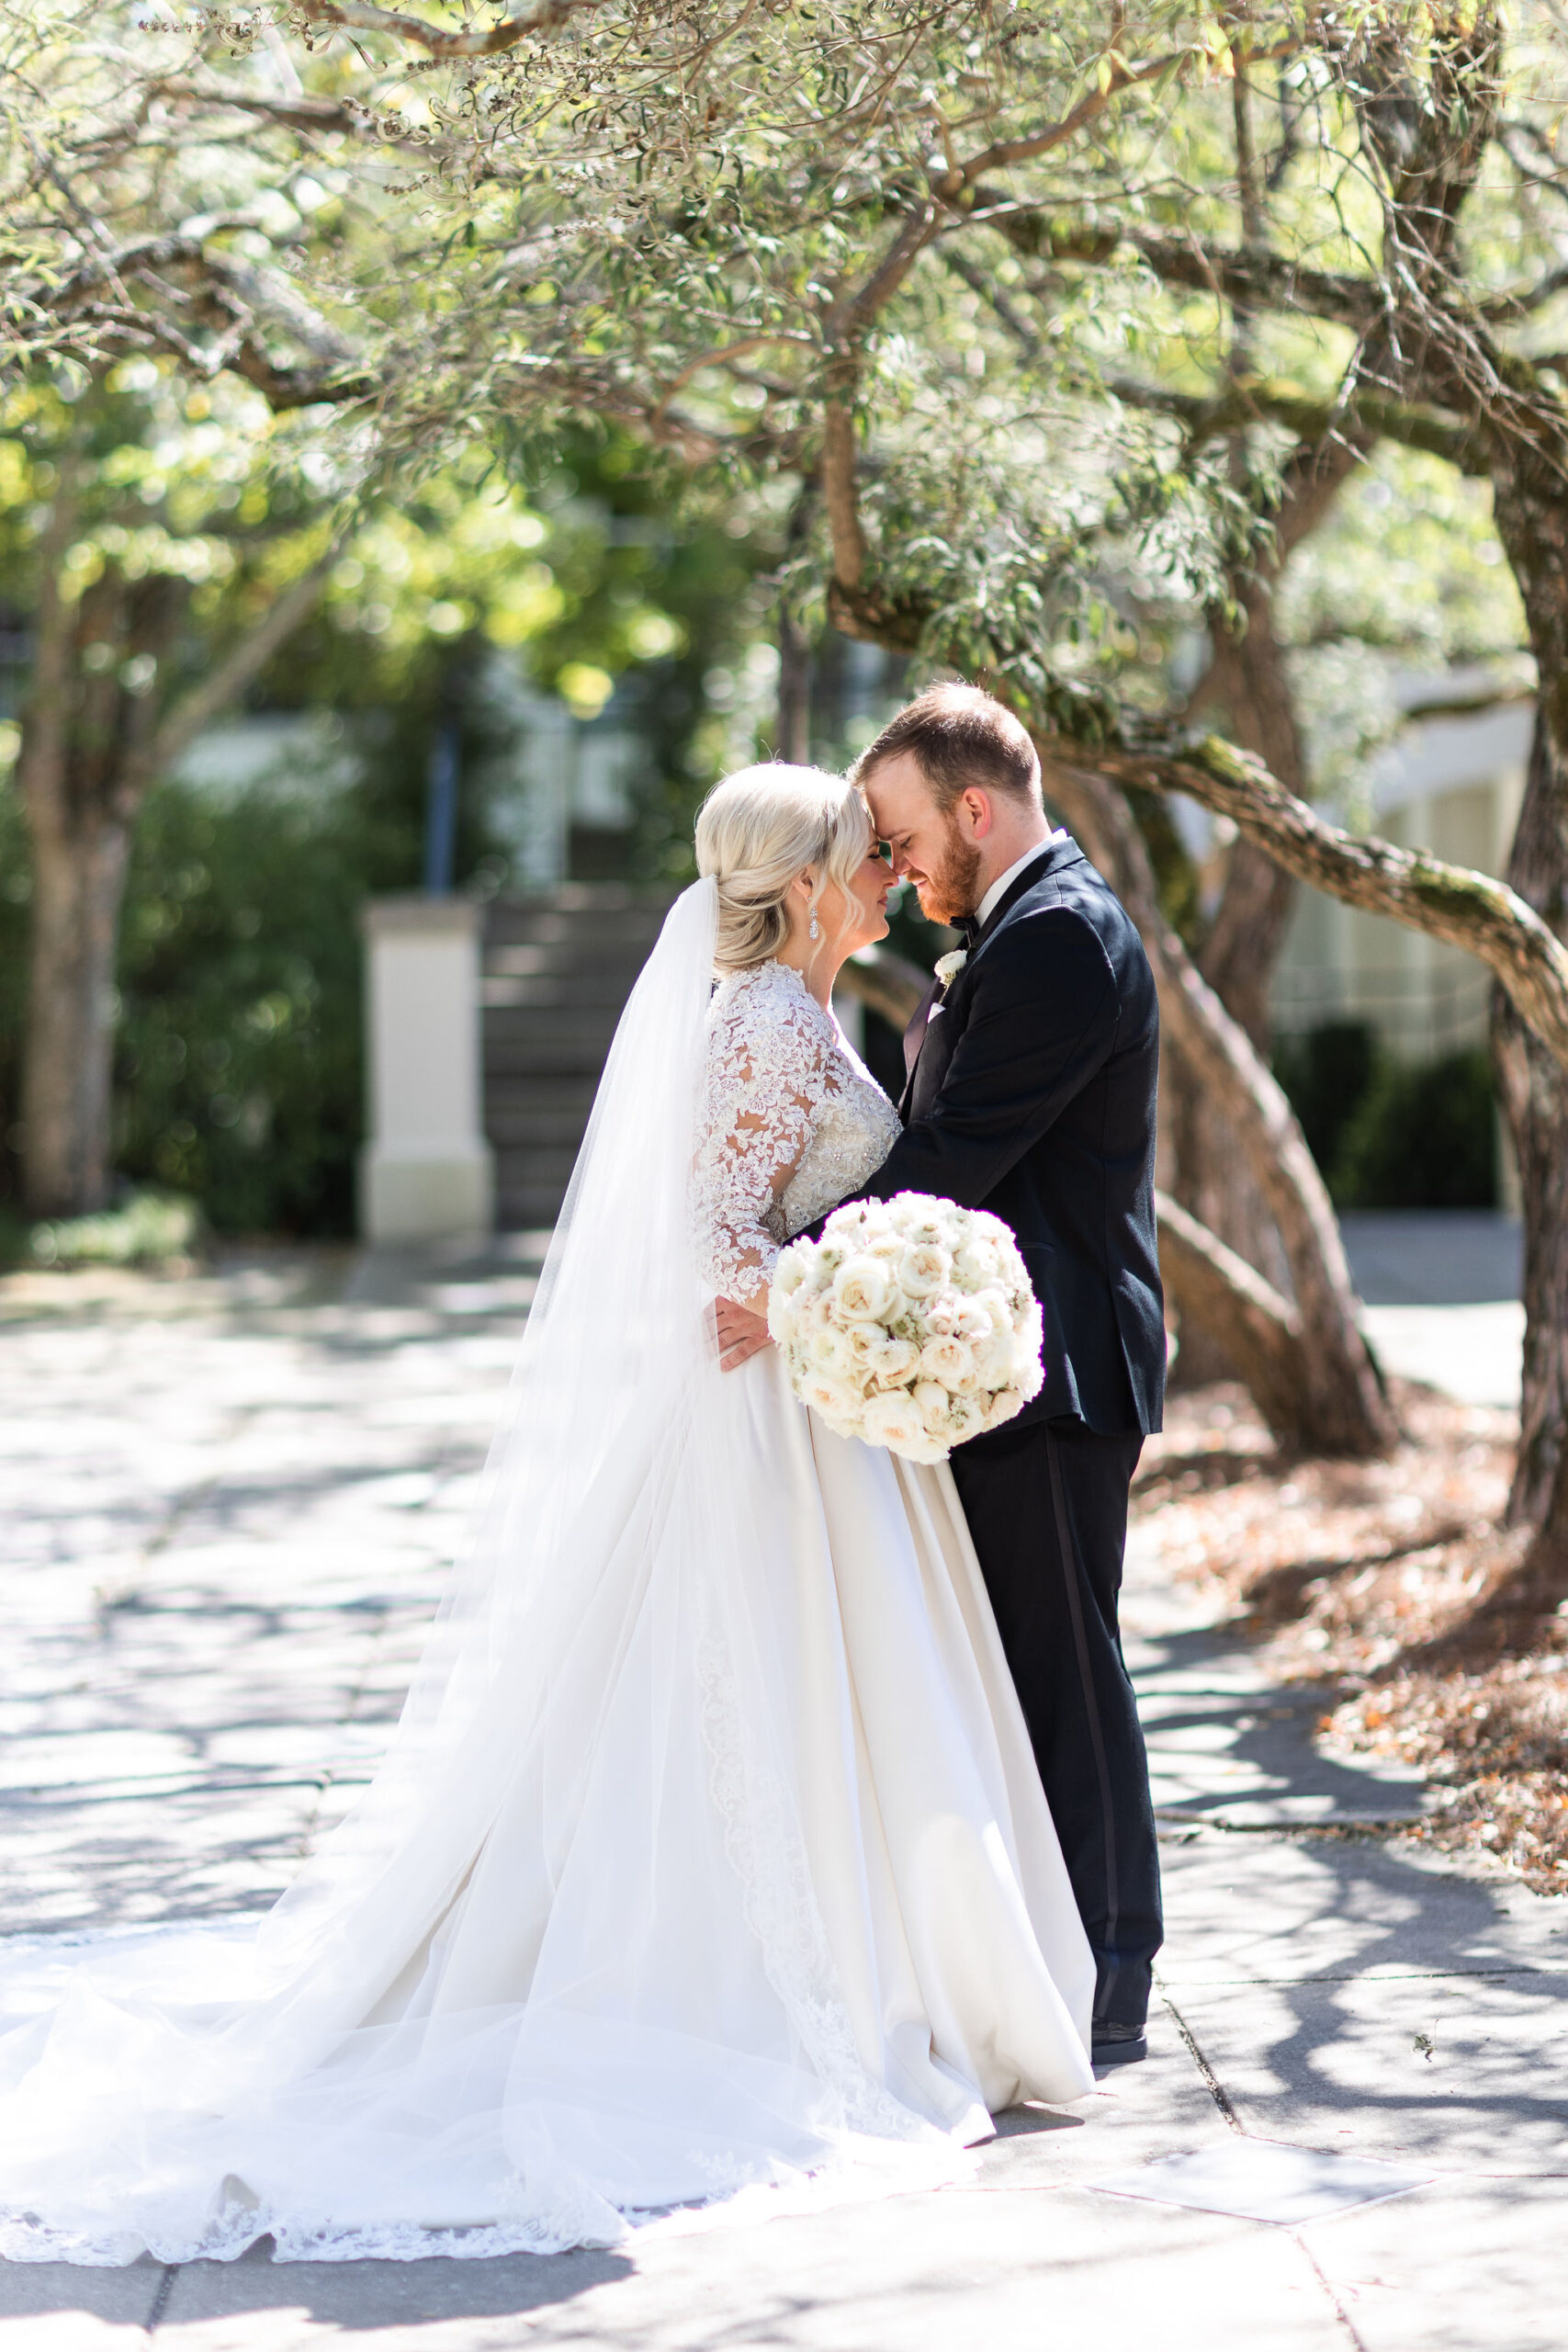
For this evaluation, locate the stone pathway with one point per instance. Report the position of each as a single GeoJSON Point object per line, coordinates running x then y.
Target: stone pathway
{"type": "Point", "coordinates": [225, 1505]}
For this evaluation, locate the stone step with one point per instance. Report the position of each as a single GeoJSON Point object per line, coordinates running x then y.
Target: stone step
{"type": "Point", "coordinates": [528, 1125]}
{"type": "Point", "coordinates": [556, 972]}
{"type": "Point", "coordinates": [545, 994]}
{"type": "Point", "coordinates": [520, 1207]}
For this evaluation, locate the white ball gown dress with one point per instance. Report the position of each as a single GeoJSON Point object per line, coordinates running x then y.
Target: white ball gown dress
{"type": "Point", "coordinates": [708, 1865]}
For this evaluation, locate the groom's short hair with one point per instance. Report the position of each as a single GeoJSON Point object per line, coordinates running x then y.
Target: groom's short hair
{"type": "Point", "coordinates": [959, 736]}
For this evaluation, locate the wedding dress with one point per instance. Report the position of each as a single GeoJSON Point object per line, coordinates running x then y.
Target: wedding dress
{"type": "Point", "coordinates": [709, 1858]}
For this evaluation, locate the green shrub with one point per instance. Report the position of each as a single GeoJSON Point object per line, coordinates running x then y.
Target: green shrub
{"type": "Point", "coordinates": [237, 1061]}
{"type": "Point", "coordinates": [1390, 1134]}
{"type": "Point", "coordinates": [147, 1228]}
{"type": "Point", "coordinates": [1423, 1137]}
{"type": "Point", "coordinates": [1326, 1072]}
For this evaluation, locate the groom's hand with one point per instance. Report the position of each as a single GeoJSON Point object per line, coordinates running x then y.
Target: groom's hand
{"type": "Point", "coordinates": [741, 1333]}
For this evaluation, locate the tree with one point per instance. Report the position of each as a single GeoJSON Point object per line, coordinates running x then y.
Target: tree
{"type": "Point", "coordinates": [158, 594]}
{"type": "Point", "coordinates": [734, 242]}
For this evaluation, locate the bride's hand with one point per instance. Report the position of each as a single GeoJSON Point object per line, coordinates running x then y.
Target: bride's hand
{"type": "Point", "coordinates": [741, 1333]}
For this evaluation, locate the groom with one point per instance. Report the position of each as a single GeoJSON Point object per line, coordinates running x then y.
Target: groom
{"type": "Point", "coordinates": [1030, 1093]}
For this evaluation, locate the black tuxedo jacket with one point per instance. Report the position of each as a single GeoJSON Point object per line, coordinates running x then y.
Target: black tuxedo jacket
{"type": "Point", "coordinates": [1030, 1094]}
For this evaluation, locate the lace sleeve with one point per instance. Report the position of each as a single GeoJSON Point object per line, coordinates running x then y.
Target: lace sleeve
{"type": "Point", "coordinates": [768, 1074]}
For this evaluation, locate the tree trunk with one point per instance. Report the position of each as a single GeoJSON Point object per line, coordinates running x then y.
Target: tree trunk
{"type": "Point", "coordinates": [1212, 1179]}
{"type": "Point", "coordinates": [78, 885]}
{"type": "Point", "coordinates": [1248, 679]}
{"type": "Point", "coordinates": [1532, 521]}
{"type": "Point", "coordinates": [92, 745]}
{"type": "Point", "coordinates": [1532, 1087]}
{"type": "Point", "coordinates": [1340, 1407]}
{"type": "Point", "coordinates": [794, 734]}
{"type": "Point", "coordinates": [1218, 1291]}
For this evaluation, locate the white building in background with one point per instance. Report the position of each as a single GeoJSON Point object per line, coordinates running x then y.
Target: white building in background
{"type": "Point", "coordinates": [1451, 783]}
{"type": "Point", "coordinates": [275, 748]}
{"type": "Point", "coordinates": [558, 776]}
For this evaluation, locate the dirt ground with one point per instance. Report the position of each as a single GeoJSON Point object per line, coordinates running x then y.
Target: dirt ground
{"type": "Point", "coordinates": [1395, 1587]}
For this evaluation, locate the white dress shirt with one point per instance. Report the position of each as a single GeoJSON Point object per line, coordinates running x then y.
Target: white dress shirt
{"type": "Point", "coordinates": [1004, 882]}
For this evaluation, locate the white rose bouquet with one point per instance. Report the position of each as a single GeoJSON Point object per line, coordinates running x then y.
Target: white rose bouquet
{"type": "Point", "coordinates": [910, 1324]}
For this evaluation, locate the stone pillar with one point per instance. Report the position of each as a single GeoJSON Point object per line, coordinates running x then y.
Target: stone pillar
{"type": "Point", "coordinates": [426, 1170]}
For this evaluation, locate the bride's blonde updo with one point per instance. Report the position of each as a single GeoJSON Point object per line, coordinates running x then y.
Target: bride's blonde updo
{"type": "Point", "coordinates": [757, 832]}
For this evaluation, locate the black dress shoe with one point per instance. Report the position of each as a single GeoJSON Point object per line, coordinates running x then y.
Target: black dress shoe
{"type": "Point", "coordinates": [1118, 2045]}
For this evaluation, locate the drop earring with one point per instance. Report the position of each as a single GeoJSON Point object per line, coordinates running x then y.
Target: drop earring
{"type": "Point", "coordinates": [814, 931]}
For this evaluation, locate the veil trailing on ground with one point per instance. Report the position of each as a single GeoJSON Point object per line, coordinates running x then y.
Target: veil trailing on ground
{"type": "Point", "coordinates": [570, 1925]}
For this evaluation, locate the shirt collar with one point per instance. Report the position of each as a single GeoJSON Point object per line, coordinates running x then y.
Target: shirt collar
{"type": "Point", "coordinates": [1004, 882]}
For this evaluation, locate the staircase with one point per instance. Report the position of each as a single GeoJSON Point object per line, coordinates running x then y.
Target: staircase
{"type": "Point", "coordinates": [558, 970]}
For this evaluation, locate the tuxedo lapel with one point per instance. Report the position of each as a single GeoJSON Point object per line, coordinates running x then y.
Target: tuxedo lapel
{"type": "Point", "coordinates": [1053, 854]}
{"type": "Point", "coordinates": [915, 1030]}
{"type": "Point", "coordinates": [914, 1038]}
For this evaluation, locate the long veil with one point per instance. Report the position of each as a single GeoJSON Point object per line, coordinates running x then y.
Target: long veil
{"type": "Point", "coordinates": [570, 1925]}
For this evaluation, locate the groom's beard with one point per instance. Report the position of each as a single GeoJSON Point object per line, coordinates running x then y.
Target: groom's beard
{"type": "Point", "coordinates": [952, 889]}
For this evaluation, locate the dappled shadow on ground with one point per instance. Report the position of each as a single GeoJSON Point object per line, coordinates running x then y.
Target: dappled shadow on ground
{"type": "Point", "coordinates": [1348, 1995]}
{"type": "Point", "coordinates": [1429, 1631]}
{"type": "Point", "coordinates": [349, 2298]}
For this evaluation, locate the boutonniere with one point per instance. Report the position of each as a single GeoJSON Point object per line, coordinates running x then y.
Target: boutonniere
{"type": "Point", "coordinates": [949, 966]}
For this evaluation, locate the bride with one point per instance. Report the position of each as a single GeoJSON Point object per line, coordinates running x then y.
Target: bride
{"type": "Point", "coordinates": [710, 1854]}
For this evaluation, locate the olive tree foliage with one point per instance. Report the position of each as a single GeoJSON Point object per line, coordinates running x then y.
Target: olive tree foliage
{"type": "Point", "coordinates": [996, 284]}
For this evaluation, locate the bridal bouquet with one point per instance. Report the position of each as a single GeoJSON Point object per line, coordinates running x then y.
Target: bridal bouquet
{"type": "Point", "coordinates": [910, 1324]}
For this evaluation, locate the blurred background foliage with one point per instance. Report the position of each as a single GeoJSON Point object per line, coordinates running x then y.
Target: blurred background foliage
{"type": "Point", "coordinates": [579, 569]}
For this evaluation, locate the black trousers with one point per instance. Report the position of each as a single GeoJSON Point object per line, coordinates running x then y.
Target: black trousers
{"type": "Point", "coordinates": [1047, 1509]}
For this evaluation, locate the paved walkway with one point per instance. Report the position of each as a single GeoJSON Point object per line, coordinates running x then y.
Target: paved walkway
{"type": "Point", "coordinates": [225, 1504]}
{"type": "Point", "coordinates": [1441, 1292]}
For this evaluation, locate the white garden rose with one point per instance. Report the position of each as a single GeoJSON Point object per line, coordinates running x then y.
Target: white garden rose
{"type": "Point", "coordinates": [836, 1400]}
{"type": "Point", "coordinates": [931, 1402]}
{"type": "Point", "coordinates": [976, 1264]}
{"type": "Point", "coordinates": [996, 1358]}
{"type": "Point", "coordinates": [973, 1320]}
{"type": "Point", "coordinates": [965, 1418]}
{"type": "Point", "coordinates": [793, 1269]}
{"type": "Point", "coordinates": [834, 1353]}
{"type": "Point", "coordinates": [861, 1289]}
{"type": "Point", "coordinates": [891, 1419]}
{"type": "Point", "coordinates": [952, 1362]}
{"type": "Point", "coordinates": [895, 1359]}
{"type": "Point", "coordinates": [1004, 1404]}
{"type": "Point", "coordinates": [923, 1268]}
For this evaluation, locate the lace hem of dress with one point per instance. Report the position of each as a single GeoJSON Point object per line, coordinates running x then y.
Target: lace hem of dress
{"type": "Point", "coordinates": [533, 2224]}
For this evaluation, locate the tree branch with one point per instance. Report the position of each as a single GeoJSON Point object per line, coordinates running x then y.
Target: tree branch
{"type": "Point", "coordinates": [359, 15]}
{"type": "Point", "coordinates": [1004, 153]}
{"type": "Point", "coordinates": [225, 683]}
{"type": "Point", "coordinates": [719, 358]}
{"type": "Point", "coordinates": [1340, 1407]}
{"type": "Point", "coordinates": [1251, 399]}
{"type": "Point", "coordinates": [296, 112]}
{"type": "Point", "coordinates": [1260, 1330]}
{"type": "Point", "coordinates": [1449, 902]}
{"type": "Point", "coordinates": [1260, 280]}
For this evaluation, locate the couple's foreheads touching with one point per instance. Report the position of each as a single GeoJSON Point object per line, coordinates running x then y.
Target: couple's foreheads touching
{"type": "Point", "coordinates": [951, 786]}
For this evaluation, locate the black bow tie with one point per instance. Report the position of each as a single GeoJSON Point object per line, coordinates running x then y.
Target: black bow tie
{"type": "Point", "coordinates": [968, 927]}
